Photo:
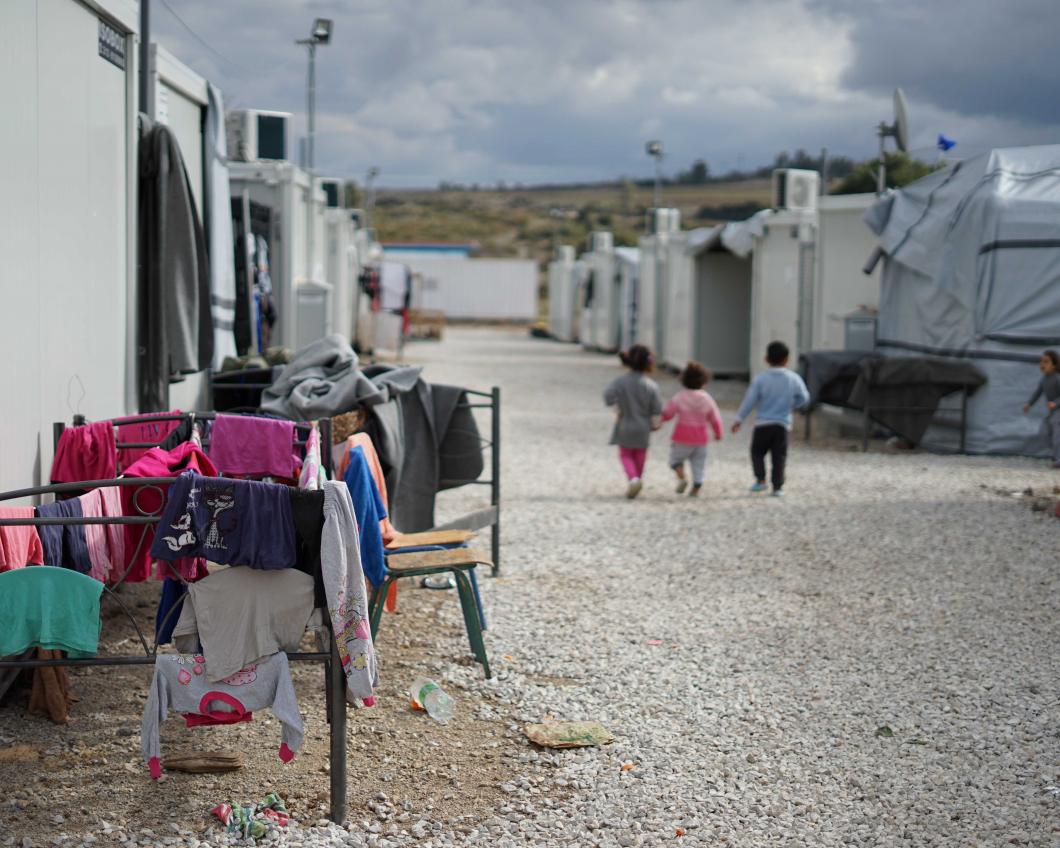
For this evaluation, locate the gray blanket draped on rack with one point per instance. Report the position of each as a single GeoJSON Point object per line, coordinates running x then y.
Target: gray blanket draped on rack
{"type": "Point", "coordinates": [427, 440]}
{"type": "Point", "coordinates": [324, 379]}
{"type": "Point", "coordinates": [174, 322]}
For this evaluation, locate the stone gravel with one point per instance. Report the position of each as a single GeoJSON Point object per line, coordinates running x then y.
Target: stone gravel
{"type": "Point", "coordinates": [871, 661]}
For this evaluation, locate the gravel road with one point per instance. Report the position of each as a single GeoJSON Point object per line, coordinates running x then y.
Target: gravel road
{"type": "Point", "coordinates": [871, 661]}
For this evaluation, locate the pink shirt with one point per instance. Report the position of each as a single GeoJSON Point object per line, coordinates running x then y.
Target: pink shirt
{"type": "Point", "coordinates": [694, 410]}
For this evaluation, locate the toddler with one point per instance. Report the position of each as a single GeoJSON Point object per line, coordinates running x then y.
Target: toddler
{"type": "Point", "coordinates": [1049, 386]}
{"type": "Point", "coordinates": [774, 393]}
{"type": "Point", "coordinates": [638, 403]}
{"type": "Point", "coordinates": [694, 410]}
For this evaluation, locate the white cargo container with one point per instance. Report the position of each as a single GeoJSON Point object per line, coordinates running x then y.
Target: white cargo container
{"type": "Point", "coordinates": [296, 247]}
{"type": "Point", "coordinates": [67, 234]}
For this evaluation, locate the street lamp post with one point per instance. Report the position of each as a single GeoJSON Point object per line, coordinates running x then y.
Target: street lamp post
{"type": "Point", "coordinates": [369, 195]}
{"type": "Point", "coordinates": [655, 150]}
{"type": "Point", "coordinates": [321, 35]}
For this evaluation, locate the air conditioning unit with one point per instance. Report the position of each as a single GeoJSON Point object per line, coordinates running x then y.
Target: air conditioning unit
{"type": "Point", "coordinates": [565, 253]}
{"type": "Point", "coordinates": [795, 189]}
{"type": "Point", "coordinates": [602, 242]}
{"type": "Point", "coordinates": [335, 192]}
{"type": "Point", "coordinates": [665, 220]}
{"type": "Point", "coordinates": [254, 135]}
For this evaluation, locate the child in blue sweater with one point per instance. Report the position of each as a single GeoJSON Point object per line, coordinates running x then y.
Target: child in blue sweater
{"type": "Point", "coordinates": [774, 394]}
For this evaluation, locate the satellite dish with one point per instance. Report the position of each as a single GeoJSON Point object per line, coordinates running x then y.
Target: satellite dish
{"type": "Point", "coordinates": [901, 121]}
{"type": "Point", "coordinates": [899, 131]}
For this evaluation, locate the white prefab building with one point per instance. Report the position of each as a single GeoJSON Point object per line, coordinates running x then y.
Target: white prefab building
{"type": "Point", "coordinates": [301, 292]}
{"type": "Point", "coordinates": [627, 261]}
{"type": "Point", "coordinates": [562, 295]}
{"type": "Point", "coordinates": [653, 290]}
{"type": "Point", "coordinates": [67, 233]}
{"type": "Point", "coordinates": [466, 288]}
{"type": "Point", "coordinates": [844, 244]}
{"type": "Point", "coordinates": [603, 294]}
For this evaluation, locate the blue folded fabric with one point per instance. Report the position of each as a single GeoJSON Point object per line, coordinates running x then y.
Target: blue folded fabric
{"type": "Point", "coordinates": [369, 511]}
{"type": "Point", "coordinates": [64, 546]}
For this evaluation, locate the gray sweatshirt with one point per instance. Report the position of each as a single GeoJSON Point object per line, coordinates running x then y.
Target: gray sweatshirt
{"type": "Point", "coordinates": [182, 684]}
{"type": "Point", "coordinates": [1050, 387]}
{"type": "Point", "coordinates": [638, 401]}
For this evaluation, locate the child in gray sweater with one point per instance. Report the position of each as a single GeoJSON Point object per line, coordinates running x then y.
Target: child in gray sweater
{"type": "Point", "coordinates": [1049, 386]}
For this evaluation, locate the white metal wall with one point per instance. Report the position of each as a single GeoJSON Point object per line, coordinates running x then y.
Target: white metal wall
{"type": "Point", "coordinates": [844, 244]}
{"type": "Point", "coordinates": [629, 274]}
{"type": "Point", "coordinates": [602, 331]}
{"type": "Point", "coordinates": [561, 299]}
{"type": "Point", "coordinates": [63, 228]}
{"type": "Point", "coordinates": [646, 309]}
{"type": "Point", "coordinates": [491, 289]}
{"type": "Point", "coordinates": [676, 344]}
{"type": "Point", "coordinates": [775, 284]}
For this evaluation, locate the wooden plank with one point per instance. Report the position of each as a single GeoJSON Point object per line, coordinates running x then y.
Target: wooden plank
{"type": "Point", "coordinates": [430, 537]}
{"type": "Point", "coordinates": [472, 521]}
{"type": "Point", "coordinates": [437, 559]}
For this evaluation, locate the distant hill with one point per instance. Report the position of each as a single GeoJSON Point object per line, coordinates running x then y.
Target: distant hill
{"type": "Point", "coordinates": [527, 222]}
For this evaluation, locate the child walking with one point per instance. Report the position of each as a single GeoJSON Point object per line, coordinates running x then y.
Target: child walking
{"type": "Point", "coordinates": [638, 403]}
{"type": "Point", "coordinates": [1049, 386]}
{"type": "Point", "coordinates": [774, 393]}
{"type": "Point", "coordinates": [694, 409]}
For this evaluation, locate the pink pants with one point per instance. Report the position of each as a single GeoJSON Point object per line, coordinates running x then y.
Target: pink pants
{"type": "Point", "coordinates": [632, 460]}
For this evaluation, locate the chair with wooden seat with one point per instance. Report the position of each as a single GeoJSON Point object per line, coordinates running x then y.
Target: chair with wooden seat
{"type": "Point", "coordinates": [458, 562]}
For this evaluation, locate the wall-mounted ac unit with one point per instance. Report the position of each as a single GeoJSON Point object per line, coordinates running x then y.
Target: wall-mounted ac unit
{"type": "Point", "coordinates": [795, 189]}
{"type": "Point", "coordinates": [335, 192]}
{"type": "Point", "coordinates": [601, 242]}
{"type": "Point", "coordinates": [665, 220]}
{"type": "Point", "coordinates": [565, 253]}
{"type": "Point", "coordinates": [254, 135]}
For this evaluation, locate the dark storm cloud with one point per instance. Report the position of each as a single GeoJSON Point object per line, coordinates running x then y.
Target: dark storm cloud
{"type": "Point", "coordinates": [485, 90]}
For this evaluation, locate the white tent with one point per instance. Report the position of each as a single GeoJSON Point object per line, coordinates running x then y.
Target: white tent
{"type": "Point", "coordinates": [972, 270]}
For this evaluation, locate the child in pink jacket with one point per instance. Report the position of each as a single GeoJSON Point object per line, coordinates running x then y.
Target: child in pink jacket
{"type": "Point", "coordinates": [695, 411]}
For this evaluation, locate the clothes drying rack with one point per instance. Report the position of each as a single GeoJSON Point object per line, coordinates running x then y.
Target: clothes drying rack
{"type": "Point", "coordinates": [334, 676]}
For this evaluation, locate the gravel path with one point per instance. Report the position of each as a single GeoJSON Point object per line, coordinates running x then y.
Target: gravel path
{"type": "Point", "coordinates": [872, 661]}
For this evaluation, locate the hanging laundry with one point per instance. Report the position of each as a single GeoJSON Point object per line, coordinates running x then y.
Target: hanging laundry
{"type": "Point", "coordinates": [244, 445]}
{"type": "Point", "coordinates": [21, 545]}
{"type": "Point", "coordinates": [340, 455]}
{"type": "Point", "coordinates": [240, 614]}
{"type": "Point", "coordinates": [307, 512]}
{"type": "Point", "coordinates": [369, 510]}
{"type": "Point", "coordinates": [313, 475]}
{"type": "Point", "coordinates": [85, 453]}
{"type": "Point", "coordinates": [182, 683]}
{"type": "Point", "coordinates": [344, 585]}
{"type": "Point", "coordinates": [174, 324]}
{"type": "Point", "coordinates": [52, 608]}
{"type": "Point", "coordinates": [237, 522]}
{"type": "Point", "coordinates": [170, 605]}
{"type": "Point", "coordinates": [149, 501]}
{"type": "Point", "coordinates": [145, 431]}
{"type": "Point", "coordinates": [64, 545]}
{"type": "Point", "coordinates": [105, 542]}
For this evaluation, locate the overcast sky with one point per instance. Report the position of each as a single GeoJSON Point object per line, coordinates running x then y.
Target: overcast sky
{"type": "Point", "coordinates": [563, 90]}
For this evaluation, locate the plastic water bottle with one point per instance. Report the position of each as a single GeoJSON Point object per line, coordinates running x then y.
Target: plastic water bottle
{"type": "Point", "coordinates": [428, 695]}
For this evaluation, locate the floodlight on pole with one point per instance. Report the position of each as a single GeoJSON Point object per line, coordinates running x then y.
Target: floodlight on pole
{"type": "Point", "coordinates": [655, 150]}
{"type": "Point", "coordinates": [321, 34]}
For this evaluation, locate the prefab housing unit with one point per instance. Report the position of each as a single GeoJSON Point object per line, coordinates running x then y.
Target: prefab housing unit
{"type": "Point", "coordinates": [653, 279]}
{"type": "Point", "coordinates": [471, 289]}
{"type": "Point", "coordinates": [844, 244]}
{"type": "Point", "coordinates": [562, 290]}
{"type": "Point", "coordinates": [296, 248]}
{"type": "Point", "coordinates": [67, 231]}
{"type": "Point", "coordinates": [603, 321]}
{"type": "Point", "coordinates": [627, 268]}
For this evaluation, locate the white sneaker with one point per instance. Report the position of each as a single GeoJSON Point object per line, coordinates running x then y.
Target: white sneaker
{"type": "Point", "coordinates": [634, 488]}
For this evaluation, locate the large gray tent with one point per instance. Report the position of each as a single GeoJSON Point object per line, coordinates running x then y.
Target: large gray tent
{"type": "Point", "coordinates": [972, 270]}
